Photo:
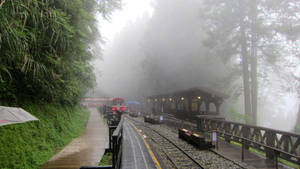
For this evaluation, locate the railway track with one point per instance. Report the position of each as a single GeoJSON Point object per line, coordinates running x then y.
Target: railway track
{"type": "Point", "coordinates": [179, 158]}
{"type": "Point", "coordinates": [179, 154]}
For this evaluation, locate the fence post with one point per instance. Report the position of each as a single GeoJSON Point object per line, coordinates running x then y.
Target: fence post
{"type": "Point", "coordinates": [109, 135]}
{"type": "Point", "coordinates": [270, 141]}
{"type": "Point", "coordinates": [276, 160]}
{"type": "Point", "coordinates": [217, 143]}
{"type": "Point", "coordinates": [114, 152]}
{"type": "Point", "coordinates": [243, 149]}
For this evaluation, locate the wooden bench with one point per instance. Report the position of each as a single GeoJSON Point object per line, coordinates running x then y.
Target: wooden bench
{"type": "Point", "coordinates": [196, 139]}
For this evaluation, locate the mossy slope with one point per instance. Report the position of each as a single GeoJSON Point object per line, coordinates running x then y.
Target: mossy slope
{"type": "Point", "coordinates": [31, 144]}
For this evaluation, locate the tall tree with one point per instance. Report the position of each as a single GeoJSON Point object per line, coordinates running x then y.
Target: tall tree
{"type": "Point", "coordinates": [245, 60]}
{"type": "Point", "coordinates": [253, 60]}
{"type": "Point", "coordinates": [251, 30]}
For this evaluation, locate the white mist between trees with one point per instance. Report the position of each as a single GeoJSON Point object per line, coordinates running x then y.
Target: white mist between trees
{"type": "Point", "coordinates": [171, 51]}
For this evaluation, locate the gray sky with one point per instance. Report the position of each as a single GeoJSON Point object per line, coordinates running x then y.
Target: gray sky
{"type": "Point", "coordinates": [171, 36]}
{"type": "Point", "coordinates": [131, 10]}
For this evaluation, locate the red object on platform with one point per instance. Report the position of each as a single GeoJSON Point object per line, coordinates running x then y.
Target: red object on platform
{"type": "Point", "coordinates": [122, 108]}
{"type": "Point", "coordinates": [114, 108]}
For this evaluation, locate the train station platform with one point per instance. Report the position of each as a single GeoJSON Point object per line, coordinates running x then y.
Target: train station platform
{"type": "Point", "coordinates": [86, 150]}
{"type": "Point", "coordinates": [233, 152]}
{"type": "Point", "coordinates": [136, 154]}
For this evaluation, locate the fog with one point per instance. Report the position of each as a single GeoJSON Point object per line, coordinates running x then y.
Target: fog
{"type": "Point", "coordinates": [165, 51]}
{"type": "Point", "coordinates": [161, 54]}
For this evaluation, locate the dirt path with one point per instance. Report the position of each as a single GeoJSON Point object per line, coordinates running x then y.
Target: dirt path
{"type": "Point", "coordinates": [85, 150]}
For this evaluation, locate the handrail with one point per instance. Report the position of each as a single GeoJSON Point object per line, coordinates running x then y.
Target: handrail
{"type": "Point", "coordinates": [274, 143]}
{"type": "Point", "coordinates": [115, 142]}
{"type": "Point", "coordinates": [119, 128]}
{"type": "Point", "coordinates": [277, 151]}
{"type": "Point", "coordinates": [117, 145]}
{"type": "Point", "coordinates": [257, 127]}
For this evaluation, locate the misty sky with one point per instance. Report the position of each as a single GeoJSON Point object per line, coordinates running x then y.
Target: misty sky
{"type": "Point", "coordinates": [153, 47]}
{"type": "Point", "coordinates": [130, 12]}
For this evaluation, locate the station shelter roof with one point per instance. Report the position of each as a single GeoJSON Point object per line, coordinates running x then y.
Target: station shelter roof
{"type": "Point", "coordinates": [194, 92]}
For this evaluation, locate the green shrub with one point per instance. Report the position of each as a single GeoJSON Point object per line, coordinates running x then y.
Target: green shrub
{"type": "Point", "coordinates": [106, 159]}
{"type": "Point", "coordinates": [238, 117]}
{"type": "Point", "coordinates": [31, 144]}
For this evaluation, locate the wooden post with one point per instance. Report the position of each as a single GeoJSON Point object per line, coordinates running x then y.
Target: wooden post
{"type": "Point", "coordinates": [270, 141]}
{"type": "Point", "coordinates": [276, 160]}
{"type": "Point", "coordinates": [199, 106]}
{"type": "Point", "coordinates": [190, 100]}
{"type": "Point", "coordinates": [243, 149]}
{"type": "Point", "coordinates": [207, 102]}
{"type": "Point", "coordinates": [183, 102]}
{"type": "Point", "coordinates": [110, 142]}
{"type": "Point", "coordinates": [114, 159]}
{"type": "Point", "coordinates": [217, 104]}
{"type": "Point", "coordinates": [153, 106]}
{"type": "Point", "coordinates": [217, 143]}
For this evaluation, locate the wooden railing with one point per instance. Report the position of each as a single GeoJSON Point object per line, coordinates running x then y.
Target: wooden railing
{"type": "Point", "coordinates": [115, 145]}
{"type": "Point", "coordinates": [117, 138]}
{"type": "Point", "coordinates": [273, 143]}
{"type": "Point", "coordinates": [111, 130]}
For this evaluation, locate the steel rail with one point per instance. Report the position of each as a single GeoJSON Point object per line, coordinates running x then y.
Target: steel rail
{"type": "Point", "coordinates": [180, 149]}
{"type": "Point", "coordinates": [217, 152]}
{"type": "Point", "coordinates": [222, 156]}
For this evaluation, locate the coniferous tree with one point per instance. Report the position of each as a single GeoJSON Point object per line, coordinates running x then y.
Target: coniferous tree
{"type": "Point", "coordinates": [256, 32]}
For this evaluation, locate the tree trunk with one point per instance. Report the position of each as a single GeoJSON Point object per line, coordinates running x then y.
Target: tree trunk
{"type": "Point", "coordinates": [297, 126]}
{"type": "Point", "coordinates": [253, 61]}
{"type": "Point", "coordinates": [247, 101]}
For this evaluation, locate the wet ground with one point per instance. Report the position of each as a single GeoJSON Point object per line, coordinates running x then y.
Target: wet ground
{"type": "Point", "coordinates": [136, 154]}
{"type": "Point", "coordinates": [85, 150]}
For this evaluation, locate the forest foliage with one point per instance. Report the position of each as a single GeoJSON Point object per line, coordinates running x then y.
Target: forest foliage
{"type": "Point", "coordinates": [45, 51]}
{"type": "Point", "coordinates": [46, 47]}
{"type": "Point", "coordinates": [30, 145]}
{"type": "Point", "coordinates": [256, 40]}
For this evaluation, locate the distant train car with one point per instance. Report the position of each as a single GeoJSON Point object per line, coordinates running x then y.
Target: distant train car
{"type": "Point", "coordinates": [117, 104]}
{"type": "Point", "coordinates": [115, 108]}
{"type": "Point", "coordinates": [112, 108]}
